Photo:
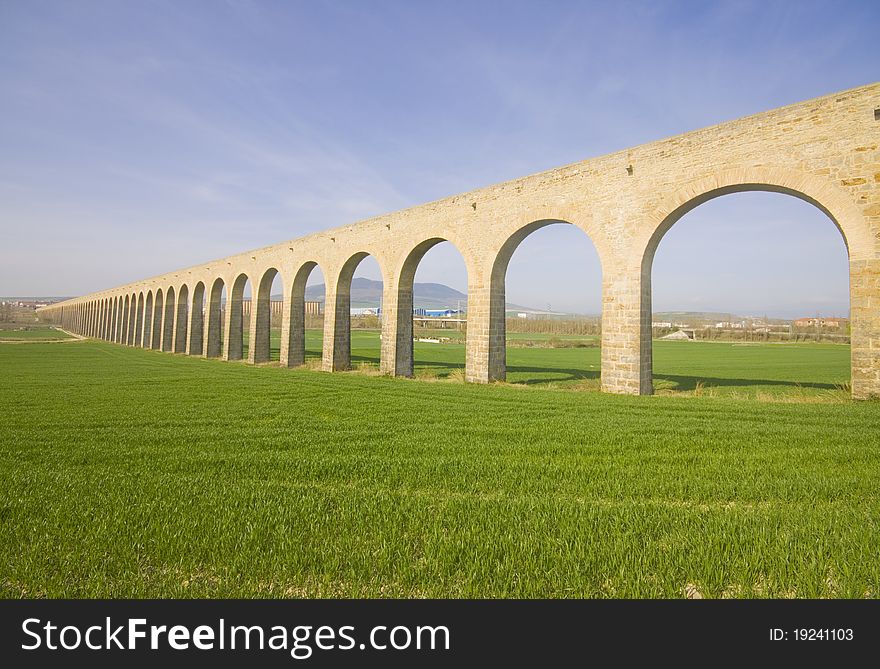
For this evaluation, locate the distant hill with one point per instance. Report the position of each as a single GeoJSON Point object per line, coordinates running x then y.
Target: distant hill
{"type": "Point", "coordinates": [368, 293]}
{"type": "Point", "coordinates": [706, 317]}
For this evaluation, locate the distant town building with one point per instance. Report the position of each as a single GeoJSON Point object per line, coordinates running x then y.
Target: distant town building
{"type": "Point", "coordinates": [441, 313]}
{"type": "Point", "coordinates": [819, 322]}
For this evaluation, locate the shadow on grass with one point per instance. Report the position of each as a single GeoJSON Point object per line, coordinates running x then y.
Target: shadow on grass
{"type": "Point", "coordinates": [690, 382]}
{"type": "Point", "coordinates": [538, 376]}
{"type": "Point", "coordinates": [559, 374]}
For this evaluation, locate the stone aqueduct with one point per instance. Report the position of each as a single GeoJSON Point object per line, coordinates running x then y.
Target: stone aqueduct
{"type": "Point", "coordinates": [824, 151]}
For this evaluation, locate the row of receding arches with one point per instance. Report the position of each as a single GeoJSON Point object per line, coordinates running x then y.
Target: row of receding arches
{"type": "Point", "coordinates": [204, 317]}
{"type": "Point", "coordinates": [202, 320]}
{"type": "Point", "coordinates": [177, 319]}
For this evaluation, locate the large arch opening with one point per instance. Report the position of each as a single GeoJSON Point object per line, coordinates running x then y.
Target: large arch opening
{"type": "Point", "coordinates": [265, 327]}
{"type": "Point", "coordinates": [545, 307]}
{"type": "Point", "coordinates": [216, 319]}
{"type": "Point", "coordinates": [168, 321]}
{"type": "Point", "coordinates": [237, 321]}
{"type": "Point", "coordinates": [306, 317]}
{"type": "Point", "coordinates": [748, 294]}
{"type": "Point", "coordinates": [431, 312]}
{"type": "Point", "coordinates": [196, 335]}
{"type": "Point", "coordinates": [356, 318]}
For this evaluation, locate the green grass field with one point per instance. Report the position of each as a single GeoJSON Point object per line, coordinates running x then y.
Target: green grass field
{"type": "Point", "coordinates": [33, 333]}
{"type": "Point", "coordinates": [132, 473]}
{"type": "Point", "coordinates": [791, 372]}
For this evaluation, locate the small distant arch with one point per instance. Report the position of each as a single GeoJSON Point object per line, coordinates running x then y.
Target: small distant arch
{"type": "Point", "coordinates": [158, 309]}
{"type": "Point", "coordinates": [139, 321]}
{"type": "Point", "coordinates": [195, 339]}
{"type": "Point", "coordinates": [126, 319]}
{"type": "Point", "coordinates": [168, 320]}
{"type": "Point", "coordinates": [299, 313]}
{"type": "Point", "coordinates": [260, 345]}
{"type": "Point", "coordinates": [147, 340]}
{"type": "Point", "coordinates": [132, 319]}
{"type": "Point", "coordinates": [181, 318]}
{"type": "Point", "coordinates": [235, 318]}
{"type": "Point", "coordinates": [215, 314]}
{"type": "Point", "coordinates": [114, 337]}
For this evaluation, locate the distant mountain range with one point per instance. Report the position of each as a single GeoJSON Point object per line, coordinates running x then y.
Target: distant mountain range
{"type": "Point", "coordinates": [368, 293]}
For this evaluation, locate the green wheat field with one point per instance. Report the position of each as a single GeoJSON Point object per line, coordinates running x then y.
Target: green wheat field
{"type": "Point", "coordinates": [133, 473]}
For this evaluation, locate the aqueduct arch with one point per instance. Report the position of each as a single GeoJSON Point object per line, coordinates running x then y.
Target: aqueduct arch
{"type": "Point", "coordinates": [213, 313]}
{"type": "Point", "coordinates": [233, 334]}
{"type": "Point", "coordinates": [293, 323]}
{"type": "Point", "coordinates": [195, 341]}
{"type": "Point", "coordinates": [824, 196]}
{"type": "Point", "coordinates": [261, 317]}
{"type": "Point", "coordinates": [824, 151]}
{"type": "Point", "coordinates": [497, 367]}
{"type": "Point", "coordinates": [337, 309]}
{"type": "Point", "coordinates": [396, 356]}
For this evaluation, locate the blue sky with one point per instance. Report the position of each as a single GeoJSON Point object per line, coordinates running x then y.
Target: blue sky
{"type": "Point", "coordinates": [140, 137]}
